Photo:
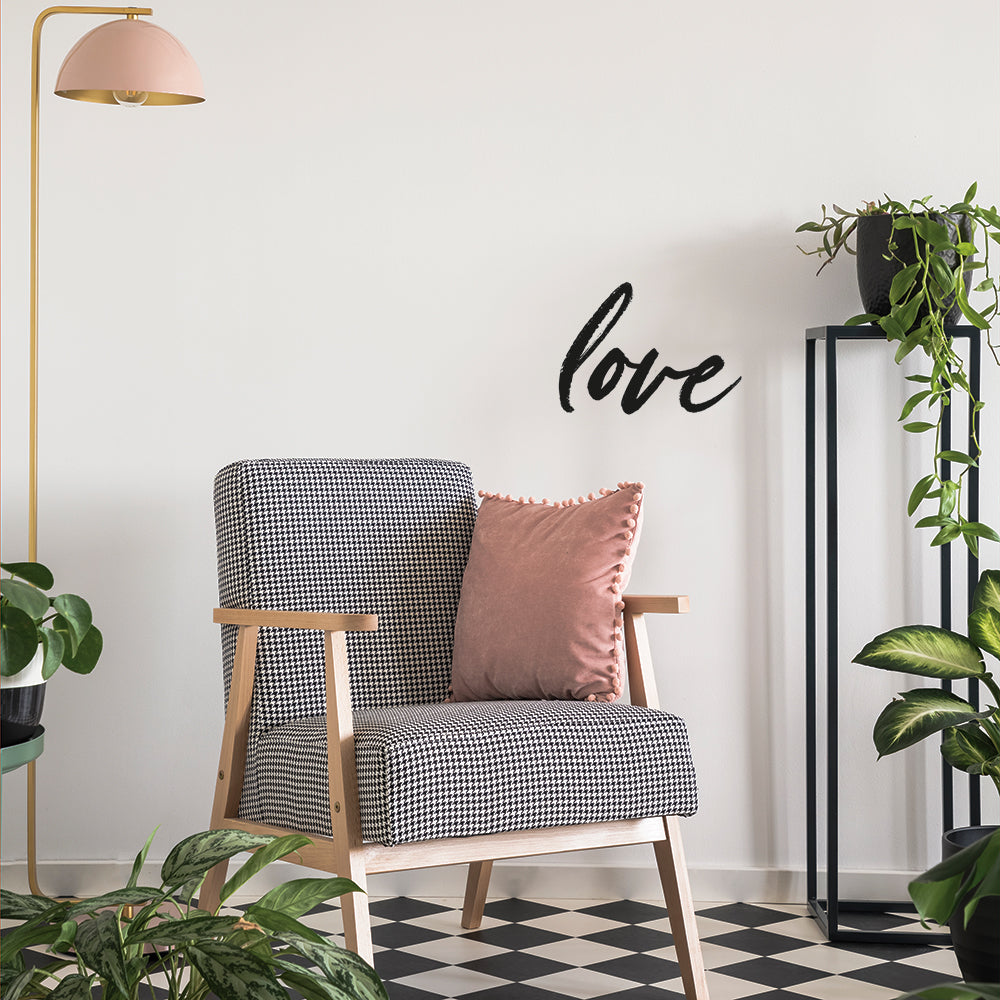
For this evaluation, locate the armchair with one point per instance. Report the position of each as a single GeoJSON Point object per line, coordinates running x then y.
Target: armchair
{"type": "Point", "coordinates": [336, 720]}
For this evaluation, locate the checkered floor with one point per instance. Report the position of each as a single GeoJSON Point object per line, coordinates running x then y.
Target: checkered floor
{"type": "Point", "coordinates": [623, 951]}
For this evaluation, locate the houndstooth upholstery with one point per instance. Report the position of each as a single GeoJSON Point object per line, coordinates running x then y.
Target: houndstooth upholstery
{"type": "Point", "coordinates": [372, 536]}
{"type": "Point", "coordinates": [391, 537]}
{"type": "Point", "coordinates": [429, 771]}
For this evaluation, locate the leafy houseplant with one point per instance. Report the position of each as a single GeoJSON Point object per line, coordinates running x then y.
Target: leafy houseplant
{"type": "Point", "coordinates": [119, 940]}
{"type": "Point", "coordinates": [932, 257]}
{"type": "Point", "coordinates": [953, 890]}
{"type": "Point", "coordinates": [62, 627]}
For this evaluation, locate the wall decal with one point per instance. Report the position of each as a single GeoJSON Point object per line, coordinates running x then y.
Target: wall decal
{"type": "Point", "coordinates": [608, 372]}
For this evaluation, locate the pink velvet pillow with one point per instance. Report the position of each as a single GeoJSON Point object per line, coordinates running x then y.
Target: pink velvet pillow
{"type": "Point", "coordinates": [540, 614]}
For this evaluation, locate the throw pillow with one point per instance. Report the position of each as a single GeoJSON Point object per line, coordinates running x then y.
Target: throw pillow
{"type": "Point", "coordinates": [540, 614]}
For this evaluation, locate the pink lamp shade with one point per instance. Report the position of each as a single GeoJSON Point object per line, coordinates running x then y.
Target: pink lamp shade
{"type": "Point", "coordinates": [121, 61]}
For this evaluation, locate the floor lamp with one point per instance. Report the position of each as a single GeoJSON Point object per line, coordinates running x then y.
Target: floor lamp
{"type": "Point", "coordinates": [131, 63]}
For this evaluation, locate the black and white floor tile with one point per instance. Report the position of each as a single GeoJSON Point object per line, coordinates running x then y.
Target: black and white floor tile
{"type": "Point", "coordinates": [622, 950]}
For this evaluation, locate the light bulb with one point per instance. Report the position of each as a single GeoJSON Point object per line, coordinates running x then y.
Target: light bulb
{"type": "Point", "coordinates": [131, 98]}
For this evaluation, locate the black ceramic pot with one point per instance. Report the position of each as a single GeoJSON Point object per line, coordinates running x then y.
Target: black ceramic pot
{"type": "Point", "coordinates": [875, 272]}
{"type": "Point", "coordinates": [20, 713]}
{"type": "Point", "coordinates": [976, 944]}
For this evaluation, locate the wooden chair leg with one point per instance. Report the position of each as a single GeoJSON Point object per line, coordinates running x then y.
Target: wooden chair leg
{"type": "Point", "coordinates": [357, 920]}
{"type": "Point", "coordinates": [208, 898]}
{"type": "Point", "coordinates": [476, 887]}
{"type": "Point", "coordinates": [680, 910]}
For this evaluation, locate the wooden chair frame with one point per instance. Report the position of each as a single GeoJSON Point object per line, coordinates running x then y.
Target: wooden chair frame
{"type": "Point", "coordinates": [345, 855]}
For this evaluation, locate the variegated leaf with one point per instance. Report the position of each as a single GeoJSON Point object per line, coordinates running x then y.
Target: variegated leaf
{"type": "Point", "coordinates": [984, 629]}
{"type": "Point", "coordinates": [298, 896]}
{"type": "Point", "coordinates": [987, 593]}
{"type": "Point", "coordinates": [98, 945]}
{"type": "Point", "coordinates": [235, 974]}
{"type": "Point", "coordinates": [967, 748]}
{"type": "Point", "coordinates": [138, 896]}
{"type": "Point", "coordinates": [261, 858]}
{"type": "Point", "coordinates": [73, 987]}
{"type": "Point", "coordinates": [342, 968]}
{"type": "Point", "coordinates": [17, 906]}
{"type": "Point", "coordinates": [925, 650]}
{"type": "Point", "coordinates": [196, 854]}
{"type": "Point", "coordinates": [199, 926]}
{"type": "Point", "coordinates": [917, 714]}
{"type": "Point", "coordinates": [14, 985]}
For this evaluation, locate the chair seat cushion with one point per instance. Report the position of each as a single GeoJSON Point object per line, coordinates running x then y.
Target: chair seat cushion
{"type": "Point", "coordinates": [456, 770]}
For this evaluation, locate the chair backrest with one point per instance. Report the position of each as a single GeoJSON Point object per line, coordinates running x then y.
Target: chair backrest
{"type": "Point", "coordinates": [383, 536]}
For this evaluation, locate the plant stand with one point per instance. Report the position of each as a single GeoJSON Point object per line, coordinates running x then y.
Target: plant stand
{"type": "Point", "coordinates": [828, 911]}
{"type": "Point", "coordinates": [11, 758]}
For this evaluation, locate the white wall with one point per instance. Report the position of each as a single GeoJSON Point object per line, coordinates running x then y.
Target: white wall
{"type": "Point", "coordinates": [379, 236]}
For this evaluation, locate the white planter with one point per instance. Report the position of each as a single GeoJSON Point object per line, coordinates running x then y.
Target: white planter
{"type": "Point", "coordinates": [29, 676]}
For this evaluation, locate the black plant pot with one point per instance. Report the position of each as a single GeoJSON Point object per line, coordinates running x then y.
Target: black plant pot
{"type": "Point", "coordinates": [875, 271]}
{"type": "Point", "coordinates": [977, 944]}
{"type": "Point", "coordinates": [20, 713]}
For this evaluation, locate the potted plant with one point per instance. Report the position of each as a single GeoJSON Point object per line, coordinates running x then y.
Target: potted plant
{"type": "Point", "coordinates": [117, 941]}
{"type": "Point", "coordinates": [37, 634]}
{"type": "Point", "coordinates": [964, 890]}
{"type": "Point", "coordinates": [915, 270]}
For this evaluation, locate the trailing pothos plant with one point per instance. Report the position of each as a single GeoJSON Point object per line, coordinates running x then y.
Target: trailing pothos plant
{"type": "Point", "coordinates": [119, 940]}
{"type": "Point", "coordinates": [29, 618]}
{"type": "Point", "coordinates": [971, 736]}
{"type": "Point", "coordinates": [921, 295]}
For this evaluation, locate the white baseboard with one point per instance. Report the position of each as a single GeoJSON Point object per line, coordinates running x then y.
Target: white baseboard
{"type": "Point", "coordinates": [510, 878]}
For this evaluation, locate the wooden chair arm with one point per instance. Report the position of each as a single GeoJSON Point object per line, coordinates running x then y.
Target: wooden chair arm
{"type": "Point", "coordinates": [639, 604]}
{"type": "Point", "coordinates": [321, 620]}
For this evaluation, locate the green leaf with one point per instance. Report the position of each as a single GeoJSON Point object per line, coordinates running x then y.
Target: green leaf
{"type": "Point", "coordinates": [67, 934]}
{"type": "Point", "coordinates": [934, 520]}
{"type": "Point", "coordinates": [17, 906]}
{"type": "Point", "coordinates": [233, 973]}
{"type": "Point", "coordinates": [140, 860]}
{"type": "Point", "coordinates": [18, 640]}
{"type": "Point", "coordinates": [297, 897]}
{"type": "Point", "coordinates": [943, 274]}
{"type": "Point", "coordinates": [925, 650]}
{"type": "Point", "coordinates": [73, 987]}
{"type": "Point", "coordinates": [947, 534]}
{"type": "Point", "coordinates": [967, 748]}
{"type": "Point", "coordinates": [987, 592]}
{"type": "Point", "coordinates": [915, 400]}
{"type": "Point", "coordinates": [971, 193]}
{"type": "Point", "coordinates": [939, 890]}
{"type": "Point", "coordinates": [976, 319]}
{"type": "Point", "coordinates": [280, 923]}
{"type": "Point", "coordinates": [135, 896]}
{"type": "Point", "coordinates": [261, 859]}
{"type": "Point", "coordinates": [949, 498]}
{"type": "Point", "coordinates": [55, 648]}
{"type": "Point", "coordinates": [862, 319]}
{"type": "Point", "coordinates": [98, 945]}
{"type": "Point", "coordinates": [75, 612]}
{"type": "Point", "coordinates": [196, 926]}
{"type": "Point", "coordinates": [89, 652]}
{"type": "Point", "coordinates": [18, 984]}
{"type": "Point", "coordinates": [984, 629]}
{"type": "Point", "coordinates": [29, 599]}
{"type": "Point", "coordinates": [918, 714]}
{"type": "Point", "coordinates": [196, 854]}
{"type": "Point", "coordinates": [341, 967]}
{"type": "Point", "coordinates": [308, 984]}
{"type": "Point", "coordinates": [918, 426]}
{"type": "Point", "coordinates": [955, 456]}
{"type": "Point", "coordinates": [34, 572]}
{"type": "Point", "coordinates": [980, 530]}
{"type": "Point", "coordinates": [902, 282]}
{"type": "Point", "coordinates": [918, 494]}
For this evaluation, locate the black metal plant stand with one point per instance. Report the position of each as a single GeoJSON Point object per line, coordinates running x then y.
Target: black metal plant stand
{"type": "Point", "coordinates": [828, 911]}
